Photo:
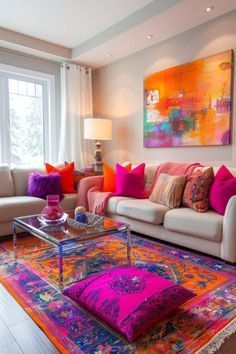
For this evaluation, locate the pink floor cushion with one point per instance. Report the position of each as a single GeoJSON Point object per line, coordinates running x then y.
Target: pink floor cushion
{"type": "Point", "coordinates": [129, 299]}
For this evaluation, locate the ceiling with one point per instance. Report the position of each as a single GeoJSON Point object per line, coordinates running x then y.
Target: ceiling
{"type": "Point", "coordinates": [98, 32]}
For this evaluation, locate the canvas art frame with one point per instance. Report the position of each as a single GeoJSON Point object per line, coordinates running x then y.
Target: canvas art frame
{"type": "Point", "coordinates": [190, 104]}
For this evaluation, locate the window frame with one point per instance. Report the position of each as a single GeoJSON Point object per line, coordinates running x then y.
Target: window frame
{"type": "Point", "coordinates": [48, 97]}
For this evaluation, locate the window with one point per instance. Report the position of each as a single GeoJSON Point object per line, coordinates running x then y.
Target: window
{"type": "Point", "coordinates": [25, 118]}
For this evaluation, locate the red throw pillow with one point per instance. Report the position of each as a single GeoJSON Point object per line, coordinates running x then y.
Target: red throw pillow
{"type": "Point", "coordinates": [109, 177]}
{"type": "Point", "coordinates": [67, 176]}
{"type": "Point", "coordinates": [130, 184]}
{"type": "Point", "coordinates": [223, 188]}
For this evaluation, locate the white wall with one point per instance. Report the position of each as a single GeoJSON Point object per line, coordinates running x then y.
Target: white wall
{"type": "Point", "coordinates": [118, 94]}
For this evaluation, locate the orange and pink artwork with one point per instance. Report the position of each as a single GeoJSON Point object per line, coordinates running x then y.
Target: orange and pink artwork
{"type": "Point", "coordinates": [189, 104]}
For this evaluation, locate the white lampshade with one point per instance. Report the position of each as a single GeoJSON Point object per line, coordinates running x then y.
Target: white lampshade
{"type": "Point", "coordinates": [98, 129]}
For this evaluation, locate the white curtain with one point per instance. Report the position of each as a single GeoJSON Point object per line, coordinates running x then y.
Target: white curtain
{"type": "Point", "coordinates": [76, 104]}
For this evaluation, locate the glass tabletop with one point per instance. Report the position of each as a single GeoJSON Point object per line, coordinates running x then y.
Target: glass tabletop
{"type": "Point", "coordinates": [63, 232]}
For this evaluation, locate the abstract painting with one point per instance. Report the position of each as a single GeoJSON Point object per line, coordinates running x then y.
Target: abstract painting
{"type": "Point", "coordinates": [189, 104]}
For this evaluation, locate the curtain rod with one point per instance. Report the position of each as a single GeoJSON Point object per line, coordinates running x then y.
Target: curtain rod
{"type": "Point", "coordinates": [67, 65]}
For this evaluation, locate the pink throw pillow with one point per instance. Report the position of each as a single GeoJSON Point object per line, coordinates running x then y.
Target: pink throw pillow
{"type": "Point", "coordinates": [130, 183]}
{"type": "Point", "coordinates": [129, 299]}
{"type": "Point", "coordinates": [223, 188]}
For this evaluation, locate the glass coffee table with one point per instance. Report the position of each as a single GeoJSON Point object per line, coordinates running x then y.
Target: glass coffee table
{"type": "Point", "coordinates": [66, 236]}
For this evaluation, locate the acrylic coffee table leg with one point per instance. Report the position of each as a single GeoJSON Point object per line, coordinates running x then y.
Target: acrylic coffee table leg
{"type": "Point", "coordinates": [14, 241]}
{"type": "Point", "coordinates": [128, 246]}
{"type": "Point", "coordinates": [60, 266]}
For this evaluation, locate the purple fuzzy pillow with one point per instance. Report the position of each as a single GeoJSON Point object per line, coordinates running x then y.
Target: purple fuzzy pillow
{"type": "Point", "coordinates": [40, 185]}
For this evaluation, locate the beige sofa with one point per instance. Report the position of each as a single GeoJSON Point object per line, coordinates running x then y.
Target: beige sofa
{"type": "Point", "coordinates": [207, 232]}
{"type": "Point", "coordinates": [14, 200]}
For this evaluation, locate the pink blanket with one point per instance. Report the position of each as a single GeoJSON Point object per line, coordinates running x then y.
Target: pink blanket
{"type": "Point", "coordinates": [90, 195]}
{"type": "Point", "coordinates": [95, 182]}
{"type": "Point", "coordinates": [97, 201]}
{"type": "Point", "coordinates": [176, 168]}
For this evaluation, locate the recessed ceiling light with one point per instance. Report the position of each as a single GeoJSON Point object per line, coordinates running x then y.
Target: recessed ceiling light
{"type": "Point", "coordinates": [109, 55]}
{"type": "Point", "coordinates": [209, 8]}
{"type": "Point", "coordinates": [149, 36]}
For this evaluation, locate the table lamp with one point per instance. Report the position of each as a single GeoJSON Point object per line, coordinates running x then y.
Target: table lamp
{"type": "Point", "coordinates": [98, 129]}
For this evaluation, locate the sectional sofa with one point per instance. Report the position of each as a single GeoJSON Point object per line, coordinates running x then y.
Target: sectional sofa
{"type": "Point", "coordinates": [208, 232]}
{"type": "Point", "coordinates": [14, 200]}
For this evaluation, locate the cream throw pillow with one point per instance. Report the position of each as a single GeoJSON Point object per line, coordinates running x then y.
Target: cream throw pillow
{"type": "Point", "coordinates": [168, 190]}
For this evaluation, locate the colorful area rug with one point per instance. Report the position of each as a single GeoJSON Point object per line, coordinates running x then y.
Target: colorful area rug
{"type": "Point", "coordinates": [199, 326]}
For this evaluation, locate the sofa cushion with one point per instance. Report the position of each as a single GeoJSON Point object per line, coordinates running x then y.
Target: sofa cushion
{"type": "Point", "coordinates": [143, 210]}
{"type": "Point", "coordinates": [196, 192]}
{"type": "Point", "coordinates": [130, 184]}
{"type": "Point", "coordinates": [207, 225]}
{"type": "Point", "coordinates": [168, 190]}
{"type": "Point", "coordinates": [113, 202]}
{"type": "Point", "coordinates": [222, 189]}
{"type": "Point", "coordinates": [6, 185]}
{"type": "Point", "coordinates": [67, 176]}
{"type": "Point", "coordinates": [20, 176]}
{"type": "Point", "coordinates": [41, 185]}
{"type": "Point", "coordinates": [11, 207]}
{"type": "Point", "coordinates": [109, 174]}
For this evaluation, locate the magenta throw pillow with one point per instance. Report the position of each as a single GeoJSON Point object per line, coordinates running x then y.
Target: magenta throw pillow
{"type": "Point", "coordinates": [222, 189]}
{"type": "Point", "coordinates": [40, 185]}
{"type": "Point", "coordinates": [130, 183]}
{"type": "Point", "coordinates": [129, 299]}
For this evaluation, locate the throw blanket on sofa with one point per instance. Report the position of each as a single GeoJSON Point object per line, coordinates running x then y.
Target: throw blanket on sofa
{"type": "Point", "coordinates": [94, 182]}
{"type": "Point", "coordinates": [97, 201]}
{"type": "Point", "coordinates": [176, 168]}
{"type": "Point", "coordinates": [90, 195]}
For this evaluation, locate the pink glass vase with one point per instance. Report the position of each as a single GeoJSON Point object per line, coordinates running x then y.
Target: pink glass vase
{"type": "Point", "coordinates": [53, 210]}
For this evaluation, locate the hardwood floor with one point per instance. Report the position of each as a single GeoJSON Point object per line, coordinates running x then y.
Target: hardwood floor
{"type": "Point", "coordinates": [229, 347]}
{"type": "Point", "coordinates": [19, 334]}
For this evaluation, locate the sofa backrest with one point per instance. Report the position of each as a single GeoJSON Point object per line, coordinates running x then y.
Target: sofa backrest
{"type": "Point", "coordinates": [150, 170]}
{"type": "Point", "coordinates": [6, 182]}
{"type": "Point", "coordinates": [231, 169]}
{"type": "Point", "coordinates": [20, 177]}
{"type": "Point", "coordinates": [15, 181]}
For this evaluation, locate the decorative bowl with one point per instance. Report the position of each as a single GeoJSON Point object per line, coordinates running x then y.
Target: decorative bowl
{"type": "Point", "coordinates": [48, 222]}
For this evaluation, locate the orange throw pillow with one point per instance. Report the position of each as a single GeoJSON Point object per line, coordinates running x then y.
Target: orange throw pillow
{"type": "Point", "coordinates": [109, 181]}
{"type": "Point", "coordinates": [67, 176]}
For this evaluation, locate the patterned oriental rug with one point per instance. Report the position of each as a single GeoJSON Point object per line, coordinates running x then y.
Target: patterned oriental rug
{"type": "Point", "coordinates": [199, 326]}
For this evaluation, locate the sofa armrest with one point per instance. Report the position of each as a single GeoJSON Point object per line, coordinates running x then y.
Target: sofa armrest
{"type": "Point", "coordinates": [228, 244]}
{"type": "Point", "coordinates": [84, 186]}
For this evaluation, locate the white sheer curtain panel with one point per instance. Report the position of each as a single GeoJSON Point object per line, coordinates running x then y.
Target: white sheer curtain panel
{"type": "Point", "coordinates": [76, 104]}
